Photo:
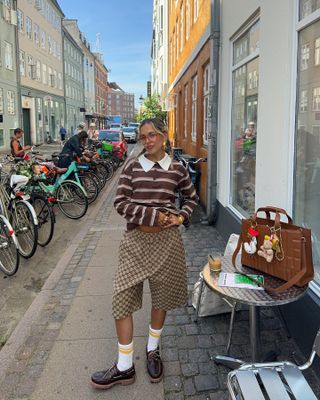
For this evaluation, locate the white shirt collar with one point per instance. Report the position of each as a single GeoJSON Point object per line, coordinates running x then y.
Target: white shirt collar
{"type": "Point", "coordinates": [147, 164]}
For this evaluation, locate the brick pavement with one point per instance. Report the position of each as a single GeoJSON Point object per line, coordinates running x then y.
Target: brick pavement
{"type": "Point", "coordinates": [188, 348]}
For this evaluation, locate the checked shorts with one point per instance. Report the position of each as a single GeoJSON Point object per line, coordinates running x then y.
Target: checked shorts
{"type": "Point", "coordinates": [158, 257]}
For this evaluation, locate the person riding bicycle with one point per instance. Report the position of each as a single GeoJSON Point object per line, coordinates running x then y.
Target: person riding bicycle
{"type": "Point", "coordinates": [75, 145]}
{"type": "Point", "coordinates": [17, 150]}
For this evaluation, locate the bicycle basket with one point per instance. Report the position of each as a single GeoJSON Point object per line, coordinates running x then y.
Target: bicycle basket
{"type": "Point", "coordinates": [106, 146]}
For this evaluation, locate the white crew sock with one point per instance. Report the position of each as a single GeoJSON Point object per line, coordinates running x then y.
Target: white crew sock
{"type": "Point", "coordinates": [154, 338]}
{"type": "Point", "coordinates": [125, 356]}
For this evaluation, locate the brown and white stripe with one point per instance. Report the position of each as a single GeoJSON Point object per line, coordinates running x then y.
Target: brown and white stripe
{"type": "Point", "coordinates": [141, 195]}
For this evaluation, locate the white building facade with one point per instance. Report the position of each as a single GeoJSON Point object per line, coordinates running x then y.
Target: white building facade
{"type": "Point", "coordinates": [88, 64]}
{"type": "Point", "coordinates": [159, 52]}
{"type": "Point", "coordinates": [270, 79]}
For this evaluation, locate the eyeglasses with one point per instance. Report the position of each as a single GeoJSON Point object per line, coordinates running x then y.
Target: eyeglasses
{"type": "Point", "coordinates": [150, 136]}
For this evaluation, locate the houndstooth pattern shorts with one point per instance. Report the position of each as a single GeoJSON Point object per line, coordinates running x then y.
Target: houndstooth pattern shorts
{"type": "Point", "coordinates": [158, 257]}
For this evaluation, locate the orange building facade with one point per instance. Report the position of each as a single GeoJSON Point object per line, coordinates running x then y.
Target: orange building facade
{"type": "Point", "coordinates": [189, 80]}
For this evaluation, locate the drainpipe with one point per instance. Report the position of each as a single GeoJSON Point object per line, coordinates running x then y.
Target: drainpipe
{"type": "Point", "coordinates": [211, 216]}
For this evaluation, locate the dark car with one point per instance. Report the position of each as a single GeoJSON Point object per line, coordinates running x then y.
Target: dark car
{"type": "Point", "coordinates": [130, 134]}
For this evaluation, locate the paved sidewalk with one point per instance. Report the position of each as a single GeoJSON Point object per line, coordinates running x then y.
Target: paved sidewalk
{"type": "Point", "coordinates": [70, 333]}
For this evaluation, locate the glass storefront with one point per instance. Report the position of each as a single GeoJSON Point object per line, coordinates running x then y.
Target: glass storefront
{"type": "Point", "coordinates": [307, 143]}
{"type": "Point", "coordinates": [245, 82]}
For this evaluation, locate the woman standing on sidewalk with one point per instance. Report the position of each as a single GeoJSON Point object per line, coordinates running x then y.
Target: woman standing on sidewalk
{"type": "Point", "coordinates": [151, 249]}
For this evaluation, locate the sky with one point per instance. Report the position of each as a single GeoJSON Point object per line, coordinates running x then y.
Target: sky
{"type": "Point", "coordinates": [125, 28]}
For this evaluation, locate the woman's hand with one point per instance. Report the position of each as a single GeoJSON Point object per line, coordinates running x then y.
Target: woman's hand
{"type": "Point", "coordinates": [168, 220]}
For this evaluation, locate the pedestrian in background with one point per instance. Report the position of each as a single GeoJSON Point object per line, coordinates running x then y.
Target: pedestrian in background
{"type": "Point", "coordinates": [80, 128]}
{"type": "Point", "coordinates": [74, 146]}
{"type": "Point", "coordinates": [151, 249]}
{"type": "Point", "coordinates": [62, 133]}
{"type": "Point", "coordinates": [93, 133]}
{"type": "Point", "coordinates": [17, 150]}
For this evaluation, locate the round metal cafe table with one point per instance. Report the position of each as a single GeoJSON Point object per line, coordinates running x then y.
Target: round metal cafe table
{"type": "Point", "coordinates": [253, 298]}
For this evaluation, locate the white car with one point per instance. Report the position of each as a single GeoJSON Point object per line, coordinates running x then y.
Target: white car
{"type": "Point", "coordinates": [130, 133]}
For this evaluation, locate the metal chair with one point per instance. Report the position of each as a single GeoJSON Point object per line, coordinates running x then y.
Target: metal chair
{"type": "Point", "coordinates": [273, 381]}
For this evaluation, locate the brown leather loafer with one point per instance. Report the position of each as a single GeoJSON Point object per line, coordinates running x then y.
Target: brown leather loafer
{"type": "Point", "coordinates": [112, 376]}
{"type": "Point", "coordinates": [154, 365]}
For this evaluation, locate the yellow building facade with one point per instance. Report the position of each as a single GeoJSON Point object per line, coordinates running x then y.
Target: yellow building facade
{"type": "Point", "coordinates": [189, 79]}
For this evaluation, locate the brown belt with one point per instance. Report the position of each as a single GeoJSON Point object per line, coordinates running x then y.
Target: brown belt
{"type": "Point", "coordinates": [149, 229]}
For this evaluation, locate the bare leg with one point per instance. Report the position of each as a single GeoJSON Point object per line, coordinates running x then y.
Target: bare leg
{"type": "Point", "coordinates": [124, 329]}
{"type": "Point", "coordinates": [157, 318]}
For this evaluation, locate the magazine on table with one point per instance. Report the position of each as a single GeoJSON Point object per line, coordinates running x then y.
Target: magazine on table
{"type": "Point", "coordinates": [240, 281]}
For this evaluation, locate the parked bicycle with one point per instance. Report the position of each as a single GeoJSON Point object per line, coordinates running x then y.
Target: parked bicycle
{"type": "Point", "coordinates": [190, 164]}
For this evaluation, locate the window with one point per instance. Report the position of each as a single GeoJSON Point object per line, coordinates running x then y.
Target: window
{"type": "Point", "coordinates": [20, 20]}
{"type": "Point", "coordinates": [177, 40]}
{"type": "Point", "coordinates": [38, 71]}
{"type": "Point", "coordinates": [304, 101]}
{"type": "Point", "coordinates": [29, 28]}
{"type": "Point", "coordinates": [36, 34]}
{"type": "Point", "coordinates": [44, 74]}
{"type": "Point", "coordinates": [22, 58]}
{"type": "Point", "coordinates": [245, 82]}
{"type": "Point", "coordinates": [43, 40]}
{"type": "Point", "coordinates": [10, 102]}
{"type": "Point", "coordinates": [195, 10]}
{"type": "Point", "coordinates": [307, 7]}
{"type": "Point", "coordinates": [8, 55]}
{"type": "Point", "coordinates": [316, 99]}
{"type": "Point", "coordinates": [305, 56]}
{"type": "Point", "coordinates": [187, 19]}
{"type": "Point", "coordinates": [194, 109]}
{"type": "Point", "coordinates": [185, 124]}
{"type": "Point", "coordinates": [1, 101]}
{"type": "Point", "coordinates": [181, 28]}
{"type": "Point", "coordinates": [206, 99]}
{"type": "Point", "coordinates": [7, 10]}
{"type": "Point", "coordinates": [50, 47]}
{"type": "Point", "coordinates": [307, 137]}
{"type": "Point", "coordinates": [317, 51]}
{"type": "Point", "coordinates": [30, 66]}
{"type": "Point", "coordinates": [60, 80]}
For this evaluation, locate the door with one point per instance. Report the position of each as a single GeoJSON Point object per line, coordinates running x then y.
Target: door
{"type": "Point", "coordinates": [26, 126]}
{"type": "Point", "coordinates": [53, 127]}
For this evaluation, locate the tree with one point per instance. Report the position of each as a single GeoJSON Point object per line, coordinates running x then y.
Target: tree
{"type": "Point", "coordinates": [151, 108]}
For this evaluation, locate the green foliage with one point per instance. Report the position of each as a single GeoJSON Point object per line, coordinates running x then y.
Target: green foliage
{"type": "Point", "coordinates": [151, 108]}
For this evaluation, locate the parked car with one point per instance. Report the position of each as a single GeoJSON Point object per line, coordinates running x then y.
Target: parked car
{"type": "Point", "coordinates": [117, 139]}
{"type": "Point", "coordinates": [134, 125]}
{"type": "Point", "coordinates": [130, 133]}
{"type": "Point", "coordinates": [115, 126]}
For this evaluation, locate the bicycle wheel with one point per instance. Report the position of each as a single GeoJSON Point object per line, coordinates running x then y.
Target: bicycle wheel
{"type": "Point", "coordinates": [72, 199]}
{"type": "Point", "coordinates": [25, 228]}
{"type": "Point", "coordinates": [45, 217]}
{"type": "Point", "coordinates": [109, 168]}
{"type": "Point", "coordinates": [101, 173]}
{"type": "Point", "coordinates": [90, 186]}
{"type": "Point", "coordinates": [9, 254]}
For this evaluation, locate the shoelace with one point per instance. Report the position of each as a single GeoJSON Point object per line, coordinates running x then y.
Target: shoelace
{"type": "Point", "coordinates": [154, 354]}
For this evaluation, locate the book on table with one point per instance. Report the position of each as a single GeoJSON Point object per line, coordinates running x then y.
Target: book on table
{"type": "Point", "coordinates": [228, 279]}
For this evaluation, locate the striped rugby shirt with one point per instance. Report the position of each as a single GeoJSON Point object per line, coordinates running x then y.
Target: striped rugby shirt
{"type": "Point", "coordinates": [145, 188]}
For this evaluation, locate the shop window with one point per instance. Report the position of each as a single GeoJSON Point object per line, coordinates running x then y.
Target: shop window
{"type": "Point", "coordinates": [245, 82]}
{"type": "Point", "coordinates": [306, 197]}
